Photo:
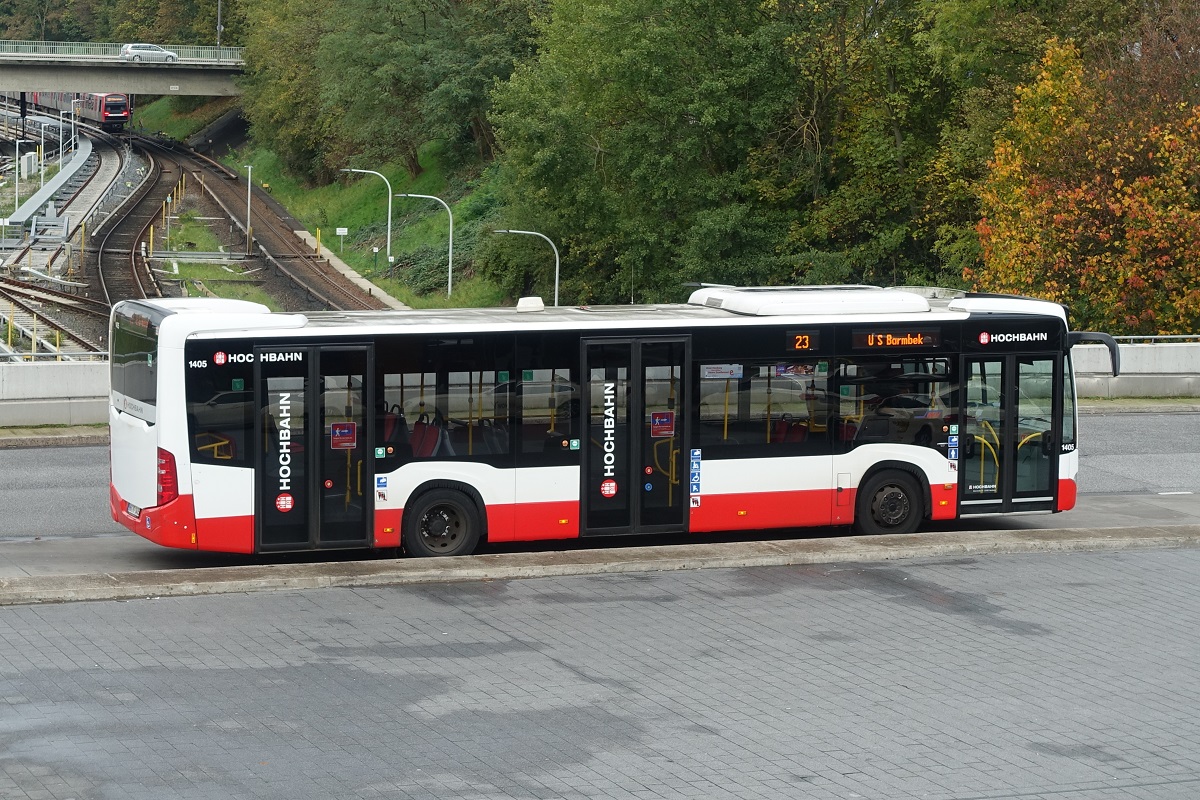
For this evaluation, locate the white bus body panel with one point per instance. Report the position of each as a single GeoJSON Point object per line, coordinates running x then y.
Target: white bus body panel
{"type": "Point", "coordinates": [133, 444]}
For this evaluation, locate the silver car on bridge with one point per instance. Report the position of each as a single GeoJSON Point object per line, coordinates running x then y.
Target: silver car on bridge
{"type": "Point", "coordinates": [147, 52]}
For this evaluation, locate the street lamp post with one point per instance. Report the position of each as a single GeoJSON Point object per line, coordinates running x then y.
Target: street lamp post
{"type": "Point", "coordinates": [388, 251]}
{"type": "Point", "coordinates": [42, 155]}
{"type": "Point", "coordinates": [17, 170]}
{"type": "Point", "coordinates": [450, 263]}
{"type": "Point", "coordinates": [249, 183]}
{"type": "Point", "coordinates": [74, 116]}
{"type": "Point", "coordinates": [547, 238]}
{"type": "Point", "coordinates": [61, 125]}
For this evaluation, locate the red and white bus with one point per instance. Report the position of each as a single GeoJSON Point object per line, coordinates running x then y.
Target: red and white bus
{"type": "Point", "coordinates": [240, 430]}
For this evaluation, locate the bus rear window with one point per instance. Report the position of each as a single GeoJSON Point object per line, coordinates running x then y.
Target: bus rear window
{"type": "Point", "coordinates": [134, 361]}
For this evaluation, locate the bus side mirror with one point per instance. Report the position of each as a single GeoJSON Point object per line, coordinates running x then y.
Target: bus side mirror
{"type": "Point", "coordinates": [1095, 337]}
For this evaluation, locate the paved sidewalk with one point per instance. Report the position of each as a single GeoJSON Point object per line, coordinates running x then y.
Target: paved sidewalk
{"type": "Point", "coordinates": [126, 567]}
{"type": "Point", "coordinates": [1025, 677]}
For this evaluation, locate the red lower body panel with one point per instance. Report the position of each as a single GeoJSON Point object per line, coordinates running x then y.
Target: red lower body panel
{"type": "Point", "coordinates": [175, 524]}
{"type": "Point", "coordinates": [171, 525]}
{"type": "Point", "coordinates": [751, 511]}
{"type": "Point", "coordinates": [944, 498]}
{"type": "Point", "coordinates": [1067, 492]}
{"type": "Point", "coordinates": [226, 534]}
{"type": "Point", "coordinates": [387, 527]}
{"type": "Point", "coordinates": [533, 521]}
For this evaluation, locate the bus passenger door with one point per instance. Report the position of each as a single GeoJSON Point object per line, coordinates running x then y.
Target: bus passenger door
{"type": "Point", "coordinates": [635, 468]}
{"type": "Point", "coordinates": [314, 476]}
{"type": "Point", "coordinates": [1009, 440]}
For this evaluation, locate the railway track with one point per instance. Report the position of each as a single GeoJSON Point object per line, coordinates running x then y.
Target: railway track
{"type": "Point", "coordinates": [118, 263]}
{"type": "Point", "coordinates": [28, 330]}
{"type": "Point", "coordinates": [40, 322]}
{"type": "Point", "coordinates": [122, 272]}
{"type": "Point", "coordinates": [40, 294]}
{"type": "Point", "coordinates": [273, 237]}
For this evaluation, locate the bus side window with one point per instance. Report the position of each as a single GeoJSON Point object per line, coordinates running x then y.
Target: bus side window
{"type": "Point", "coordinates": [902, 401]}
{"type": "Point", "coordinates": [772, 409]}
{"type": "Point", "coordinates": [220, 420]}
{"type": "Point", "coordinates": [544, 393]}
{"type": "Point", "coordinates": [549, 407]}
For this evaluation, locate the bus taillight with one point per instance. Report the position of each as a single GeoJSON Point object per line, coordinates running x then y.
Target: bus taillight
{"type": "Point", "coordinates": [168, 478]}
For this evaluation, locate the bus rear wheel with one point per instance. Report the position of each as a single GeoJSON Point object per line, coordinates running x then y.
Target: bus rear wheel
{"type": "Point", "coordinates": [443, 522]}
{"type": "Point", "coordinates": [890, 502]}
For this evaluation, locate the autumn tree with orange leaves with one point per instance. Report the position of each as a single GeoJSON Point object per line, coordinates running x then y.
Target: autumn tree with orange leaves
{"type": "Point", "coordinates": [1093, 195]}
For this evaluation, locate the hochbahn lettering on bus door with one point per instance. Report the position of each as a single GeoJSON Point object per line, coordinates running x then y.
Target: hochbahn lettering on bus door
{"type": "Point", "coordinates": [608, 487]}
{"type": "Point", "coordinates": [285, 501]}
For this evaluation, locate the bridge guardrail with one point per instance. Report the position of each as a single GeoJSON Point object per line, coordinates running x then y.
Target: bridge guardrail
{"type": "Point", "coordinates": [13, 48]}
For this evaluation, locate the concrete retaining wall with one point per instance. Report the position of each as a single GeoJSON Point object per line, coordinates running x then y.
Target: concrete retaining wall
{"type": "Point", "coordinates": [54, 393]}
{"type": "Point", "coordinates": [76, 393]}
{"type": "Point", "coordinates": [1147, 370]}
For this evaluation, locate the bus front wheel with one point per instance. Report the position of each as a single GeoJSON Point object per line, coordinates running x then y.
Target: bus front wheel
{"type": "Point", "coordinates": [890, 502]}
{"type": "Point", "coordinates": [443, 522]}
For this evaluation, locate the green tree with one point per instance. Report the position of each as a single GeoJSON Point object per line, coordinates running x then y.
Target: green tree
{"type": "Point", "coordinates": [398, 73]}
{"type": "Point", "coordinates": [282, 86]}
{"type": "Point", "coordinates": [875, 106]}
{"type": "Point", "coordinates": [626, 141]}
{"type": "Point", "coordinates": [1091, 199]}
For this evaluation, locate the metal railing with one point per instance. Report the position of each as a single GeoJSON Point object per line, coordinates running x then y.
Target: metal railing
{"type": "Point", "coordinates": [1159, 338]}
{"type": "Point", "coordinates": [12, 48]}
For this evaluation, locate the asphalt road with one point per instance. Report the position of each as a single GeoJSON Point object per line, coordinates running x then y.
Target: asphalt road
{"type": "Point", "coordinates": [1128, 460]}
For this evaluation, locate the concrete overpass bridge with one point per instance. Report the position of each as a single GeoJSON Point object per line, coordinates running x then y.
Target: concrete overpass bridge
{"type": "Point", "coordinates": [97, 67]}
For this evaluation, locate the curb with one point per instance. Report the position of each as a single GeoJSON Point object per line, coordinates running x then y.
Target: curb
{"type": "Point", "coordinates": [53, 440]}
{"type": "Point", "coordinates": [517, 566]}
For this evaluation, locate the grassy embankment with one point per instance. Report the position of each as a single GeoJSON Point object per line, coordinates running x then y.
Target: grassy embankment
{"type": "Point", "coordinates": [420, 227]}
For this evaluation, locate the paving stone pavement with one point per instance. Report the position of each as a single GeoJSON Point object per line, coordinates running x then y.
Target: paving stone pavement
{"type": "Point", "coordinates": [1065, 676]}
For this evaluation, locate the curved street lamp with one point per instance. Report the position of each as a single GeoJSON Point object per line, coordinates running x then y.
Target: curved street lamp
{"type": "Point", "coordinates": [547, 238]}
{"type": "Point", "coordinates": [388, 251]}
{"type": "Point", "coordinates": [450, 267]}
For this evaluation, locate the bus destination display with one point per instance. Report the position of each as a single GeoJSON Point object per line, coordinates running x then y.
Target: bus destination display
{"type": "Point", "coordinates": [904, 338]}
{"type": "Point", "coordinates": [803, 341]}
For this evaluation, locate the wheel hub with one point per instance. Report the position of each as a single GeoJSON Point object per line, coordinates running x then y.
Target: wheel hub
{"type": "Point", "coordinates": [438, 526]}
{"type": "Point", "coordinates": [891, 506]}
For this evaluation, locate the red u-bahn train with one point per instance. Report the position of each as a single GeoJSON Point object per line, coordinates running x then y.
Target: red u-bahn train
{"type": "Point", "coordinates": [110, 110]}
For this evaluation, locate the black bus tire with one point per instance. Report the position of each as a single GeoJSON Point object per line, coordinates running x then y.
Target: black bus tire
{"type": "Point", "coordinates": [889, 502]}
{"type": "Point", "coordinates": [442, 522]}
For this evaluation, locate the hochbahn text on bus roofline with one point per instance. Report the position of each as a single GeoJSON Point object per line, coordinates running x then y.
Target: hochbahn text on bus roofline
{"type": "Point", "coordinates": [240, 430]}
